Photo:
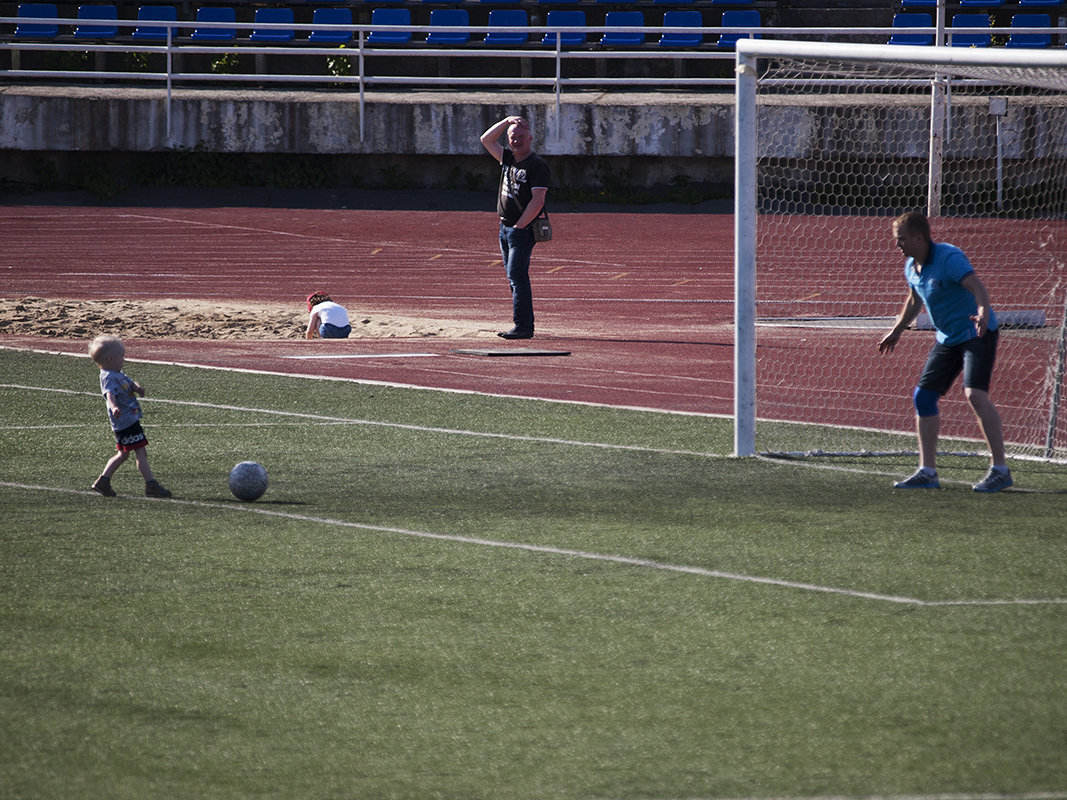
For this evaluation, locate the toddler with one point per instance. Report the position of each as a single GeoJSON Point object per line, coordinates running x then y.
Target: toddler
{"type": "Point", "coordinates": [124, 413]}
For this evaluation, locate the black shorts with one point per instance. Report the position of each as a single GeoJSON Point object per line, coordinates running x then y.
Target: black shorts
{"type": "Point", "coordinates": [975, 358]}
{"type": "Point", "coordinates": [131, 438]}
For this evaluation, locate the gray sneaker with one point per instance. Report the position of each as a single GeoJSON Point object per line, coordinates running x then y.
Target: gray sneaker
{"type": "Point", "coordinates": [994, 481]}
{"type": "Point", "coordinates": [920, 480]}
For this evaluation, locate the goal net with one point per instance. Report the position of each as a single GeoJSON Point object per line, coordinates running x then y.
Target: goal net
{"type": "Point", "coordinates": [833, 142]}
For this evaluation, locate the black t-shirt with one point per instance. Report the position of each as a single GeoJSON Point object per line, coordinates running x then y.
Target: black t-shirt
{"type": "Point", "coordinates": [517, 181]}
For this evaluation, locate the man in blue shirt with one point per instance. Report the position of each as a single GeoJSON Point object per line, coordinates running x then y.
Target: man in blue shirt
{"type": "Point", "coordinates": [941, 278]}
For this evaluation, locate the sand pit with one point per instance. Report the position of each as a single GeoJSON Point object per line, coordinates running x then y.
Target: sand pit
{"type": "Point", "coordinates": [202, 319]}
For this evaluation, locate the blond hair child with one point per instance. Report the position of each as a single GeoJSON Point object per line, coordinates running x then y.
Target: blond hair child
{"type": "Point", "coordinates": [124, 413]}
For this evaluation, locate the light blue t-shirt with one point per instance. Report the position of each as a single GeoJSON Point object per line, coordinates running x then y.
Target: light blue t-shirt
{"type": "Point", "coordinates": [948, 303]}
{"type": "Point", "coordinates": [121, 389]}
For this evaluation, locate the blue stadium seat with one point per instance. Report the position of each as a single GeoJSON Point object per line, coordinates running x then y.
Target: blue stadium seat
{"type": "Point", "coordinates": [105, 14]}
{"type": "Point", "coordinates": [748, 18]}
{"type": "Point", "coordinates": [907, 20]}
{"type": "Point", "coordinates": [215, 14]}
{"type": "Point", "coordinates": [272, 16]}
{"type": "Point", "coordinates": [507, 18]}
{"type": "Point", "coordinates": [623, 19]}
{"type": "Point", "coordinates": [1040, 3]}
{"type": "Point", "coordinates": [389, 16]}
{"type": "Point", "coordinates": [449, 17]}
{"type": "Point", "coordinates": [981, 3]}
{"type": "Point", "coordinates": [906, 4]}
{"type": "Point", "coordinates": [1034, 41]}
{"type": "Point", "coordinates": [569, 19]}
{"type": "Point", "coordinates": [37, 30]}
{"type": "Point", "coordinates": [682, 19]}
{"type": "Point", "coordinates": [731, 2]}
{"type": "Point", "coordinates": [971, 39]}
{"type": "Point", "coordinates": [155, 33]}
{"type": "Point", "coordinates": [331, 16]}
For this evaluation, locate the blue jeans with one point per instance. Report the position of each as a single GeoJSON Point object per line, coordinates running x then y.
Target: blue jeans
{"type": "Point", "coordinates": [516, 245]}
{"type": "Point", "coordinates": [330, 331]}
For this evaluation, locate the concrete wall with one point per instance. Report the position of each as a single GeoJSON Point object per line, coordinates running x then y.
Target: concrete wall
{"type": "Point", "coordinates": [666, 133]}
{"type": "Point", "coordinates": [414, 123]}
{"type": "Point", "coordinates": [653, 124]}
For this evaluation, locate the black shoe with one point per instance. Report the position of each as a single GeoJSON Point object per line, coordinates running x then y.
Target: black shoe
{"type": "Point", "coordinates": [155, 489]}
{"type": "Point", "coordinates": [103, 486]}
{"type": "Point", "coordinates": [517, 333]}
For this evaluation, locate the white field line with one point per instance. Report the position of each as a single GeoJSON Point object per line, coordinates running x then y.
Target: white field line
{"type": "Point", "coordinates": [388, 384]}
{"type": "Point", "coordinates": [976, 796]}
{"type": "Point", "coordinates": [628, 561]}
{"type": "Point", "coordinates": [327, 420]}
{"type": "Point", "coordinates": [57, 426]}
{"type": "Point", "coordinates": [636, 562]}
{"type": "Point", "coordinates": [532, 548]}
{"type": "Point", "coordinates": [320, 418]}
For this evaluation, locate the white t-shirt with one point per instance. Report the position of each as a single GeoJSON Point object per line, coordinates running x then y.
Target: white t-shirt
{"type": "Point", "coordinates": [331, 313]}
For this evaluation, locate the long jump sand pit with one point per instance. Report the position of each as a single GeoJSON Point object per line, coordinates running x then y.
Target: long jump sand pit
{"type": "Point", "coordinates": [203, 319]}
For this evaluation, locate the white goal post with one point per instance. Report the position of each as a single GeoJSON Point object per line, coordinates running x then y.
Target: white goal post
{"type": "Point", "coordinates": [832, 142]}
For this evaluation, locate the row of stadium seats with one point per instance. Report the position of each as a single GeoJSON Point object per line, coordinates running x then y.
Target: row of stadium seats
{"type": "Point", "coordinates": [984, 4]}
{"type": "Point", "coordinates": [100, 23]}
{"type": "Point", "coordinates": [907, 21]}
{"type": "Point", "coordinates": [516, 18]}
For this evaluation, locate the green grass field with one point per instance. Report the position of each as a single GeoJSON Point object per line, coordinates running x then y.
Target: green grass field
{"type": "Point", "coordinates": [455, 596]}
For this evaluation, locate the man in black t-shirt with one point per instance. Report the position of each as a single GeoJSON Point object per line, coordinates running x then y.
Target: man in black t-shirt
{"type": "Point", "coordinates": [521, 197]}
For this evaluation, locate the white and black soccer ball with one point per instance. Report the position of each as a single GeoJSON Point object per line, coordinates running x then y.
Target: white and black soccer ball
{"type": "Point", "coordinates": [248, 481]}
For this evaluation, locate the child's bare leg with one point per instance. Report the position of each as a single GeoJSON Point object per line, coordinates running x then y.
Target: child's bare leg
{"type": "Point", "coordinates": [151, 485]}
{"type": "Point", "coordinates": [116, 461]}
{"type": "Point", "coordinates": [103, 483]}
{"type": "Point", "coordinates": [141, 454]}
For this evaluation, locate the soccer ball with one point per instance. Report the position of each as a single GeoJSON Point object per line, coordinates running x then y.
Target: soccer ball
{"type": "Point", "coordinates": [248, 481]}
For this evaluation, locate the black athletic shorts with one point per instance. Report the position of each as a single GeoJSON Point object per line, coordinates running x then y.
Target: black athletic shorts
{"type": "Point", "coordinates": [131, 438]}
{"type": "Point", "coordinates": [974, 358]}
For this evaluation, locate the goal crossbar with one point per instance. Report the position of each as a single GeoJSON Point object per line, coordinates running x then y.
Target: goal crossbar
{"type": "Point", "coordinates": [1044, 69]}
{"type": "Point", "coordinates": [748, 49]}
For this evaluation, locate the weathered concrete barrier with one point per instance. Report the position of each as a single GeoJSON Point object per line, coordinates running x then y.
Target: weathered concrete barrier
{"type": "Point", "coordinates": [409, 123]}
{"type": "Point", "coordinates": [666, 133]}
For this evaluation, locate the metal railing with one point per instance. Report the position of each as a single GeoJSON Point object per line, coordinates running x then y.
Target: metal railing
{"type": "Point", "coordinates": [174, 45]}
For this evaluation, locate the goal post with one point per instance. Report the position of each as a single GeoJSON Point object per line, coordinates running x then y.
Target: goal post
{"type": "Point", "coordinates": [833, 141]}
{"type": "Point", "coordinates": [745, 261]}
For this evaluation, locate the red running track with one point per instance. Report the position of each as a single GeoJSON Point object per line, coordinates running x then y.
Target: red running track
{"type": "Point", "coordinates": [643, 302]}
